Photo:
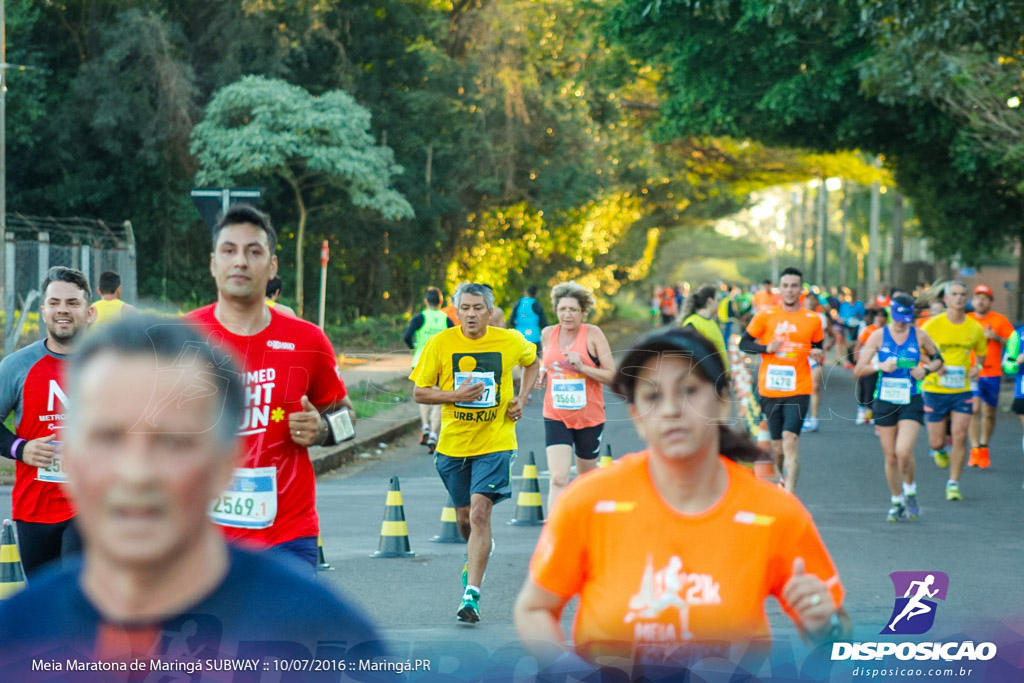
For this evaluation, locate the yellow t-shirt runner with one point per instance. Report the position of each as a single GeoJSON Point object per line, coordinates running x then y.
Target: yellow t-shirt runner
{"type": "Point", "coordinates": [448, 360]}
{"type": "Point", "coordinates": [955, 343]}
{"type": "Point", "coordinates": [107, 310]}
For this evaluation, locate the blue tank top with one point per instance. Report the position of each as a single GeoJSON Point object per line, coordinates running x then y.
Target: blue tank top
{"type": "Point", "coordinates": [1018, 380]}
{"type": "Point", "coordinates": [908, 357]}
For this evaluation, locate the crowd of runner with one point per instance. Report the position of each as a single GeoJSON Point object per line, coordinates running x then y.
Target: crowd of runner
{"type": "Point", "coordinates": [212, 501]}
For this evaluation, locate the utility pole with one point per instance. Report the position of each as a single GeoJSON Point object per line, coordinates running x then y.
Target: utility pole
{"type": "Point", "coordinates": [844, 254]}
{"type": "Point", "coordinates": [896, 260]}
{"type": "Point", "coordinates": [873, 241]}
{"type": "Point", "coordinates": [7, 298]}
{"type": "Point", "coordinates": [821, 251]}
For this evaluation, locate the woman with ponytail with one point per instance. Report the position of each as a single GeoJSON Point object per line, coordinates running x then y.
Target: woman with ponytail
{"type": "Point", "coordinates": [673, 550]}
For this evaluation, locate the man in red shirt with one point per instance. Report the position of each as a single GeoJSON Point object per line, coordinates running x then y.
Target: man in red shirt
{"type": "Point", "coordinates": [986, 394]}
{"type": "Point", "coordinates": [32, 387]}
{"type": "Point", "coordinates": [291, 377]}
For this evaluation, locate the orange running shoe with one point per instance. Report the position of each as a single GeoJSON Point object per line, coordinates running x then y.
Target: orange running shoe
{"type": "Point", "coordinates": [972, 461]}
{"type": "Point", "coordinates": [983, 460]}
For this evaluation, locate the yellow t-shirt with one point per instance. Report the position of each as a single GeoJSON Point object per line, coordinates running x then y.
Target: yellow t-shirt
{"type": "Point", "coordinates": [709, 330]}
{"type": "Point", "coordinates": [482, 426]}
{"type": "Point", "coordinates": [955, 343]}
{"type": "Point", "coordinates": [107, 310]}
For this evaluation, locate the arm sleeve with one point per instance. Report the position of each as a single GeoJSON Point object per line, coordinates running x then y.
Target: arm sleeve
{"type": "Point", "coordinates": [11, 379]}
{"type": "Point", "coordinates": [11, 445]}
{"type": "Point", "coordinates": [820, 344]}
{"type": "Point", "coordinates": [410, 332]}
{"type": "Point", "coordinates": [539, 310]}
{"type": "Point", "coordinates": [749, 345]}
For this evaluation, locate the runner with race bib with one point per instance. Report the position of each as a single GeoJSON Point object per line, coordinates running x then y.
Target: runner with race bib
{"type": "Point", "coordinates": [947, 393]}
{"type": "Point", "coordinates": [786, 337]}
{"type": "Point", "coordinates": [577, 363]}
{"type": "Point", "coordinates": [898, 406]}
{"type": "Point", "coordinates": [290, 375]}
{"type": "Point", "coordinates": [32, 387]}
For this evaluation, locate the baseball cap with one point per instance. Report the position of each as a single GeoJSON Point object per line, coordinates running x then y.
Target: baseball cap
{"type": "Point", "coordinates": [984, 289]}
{"type": "Point", "coordinates": [902, 309]}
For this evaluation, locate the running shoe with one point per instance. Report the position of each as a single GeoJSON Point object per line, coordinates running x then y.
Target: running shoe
{"type": "Point", "coordinates": [810, 425]}
{"type": "Point", "coordinates": [424, 435]}
{"type": "Point", "coordinates": [469, 608]}
{"type": "Point", "coordinates": [953, 491]}
{"type": "Point", "coordinates": [432, 443]}
{"type": "Point", "coordinates": [983, 458]}
{"type": "Point", "coordinates": [973, 458]}
{"type": "Point", "coordinates": [912, 509]}
{"type": "Point", "coordinates": [862, 416]}
{"type": "Point", "coordinates": [898, 513]}
{"type": "Point", "coordinates": [941, 459]}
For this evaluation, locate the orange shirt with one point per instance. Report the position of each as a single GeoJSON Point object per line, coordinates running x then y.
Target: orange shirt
{"type": "Point", "coordinates": [452, 314]}
{"type": "Point", "coordinates": [994, 355]}
{"type": "Point", "coordinates": [650, 578]}
{"type": "Point", "coordinates": [763, 299]}
{"type": "Point", "coordinates": [786, 372]}
{"type": "Point", "coordinates": [866, 332]}
{"type": "Point", "coordinates": [570, 396]}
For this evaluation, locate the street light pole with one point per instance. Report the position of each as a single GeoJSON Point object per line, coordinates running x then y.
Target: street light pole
{"type": "Point", "coordinates": [4, 295]}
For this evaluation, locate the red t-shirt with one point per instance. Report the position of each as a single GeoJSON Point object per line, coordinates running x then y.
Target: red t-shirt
{"type": "Point", "coordinates": [32, 386]}
{"type": "Point", "coordinates": [288, 359]}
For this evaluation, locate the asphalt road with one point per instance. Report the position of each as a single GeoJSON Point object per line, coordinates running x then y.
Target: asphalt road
{"type": "Point", "coordinates": [977, 541]}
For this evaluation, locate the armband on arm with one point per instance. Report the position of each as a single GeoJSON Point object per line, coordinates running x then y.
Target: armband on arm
{"type": "Point", "coordinates": [11, 446]}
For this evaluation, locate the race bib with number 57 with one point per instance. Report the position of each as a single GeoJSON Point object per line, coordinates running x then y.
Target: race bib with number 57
{"type": "Point", "coordinates": [487, 399]}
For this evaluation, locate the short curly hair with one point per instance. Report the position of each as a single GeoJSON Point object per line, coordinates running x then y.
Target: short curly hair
{"type": "Point", "coordinates": [573, 289]}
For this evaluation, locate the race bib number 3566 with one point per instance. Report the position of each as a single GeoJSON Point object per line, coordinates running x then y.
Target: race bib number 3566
{"type": "Point", "coordinates": [250, 501]}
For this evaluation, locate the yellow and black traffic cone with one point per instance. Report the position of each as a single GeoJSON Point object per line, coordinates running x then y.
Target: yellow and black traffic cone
{"type": "Point", "coordinates": [449, 527]}
{"type": "Point", "coordinates": [529, 510]}
{"type": "Point", "coordinates": [394, 534]}
{"type": "Point", "coordinates": [321, 562]}
{"type": "Point", "coordinates": [12, 574]}
{"type": "Point", "coordinates": [606, 459]}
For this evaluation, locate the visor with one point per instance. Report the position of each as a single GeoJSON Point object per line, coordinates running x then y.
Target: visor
{"type": "Point", "coordinates": [902, 314]}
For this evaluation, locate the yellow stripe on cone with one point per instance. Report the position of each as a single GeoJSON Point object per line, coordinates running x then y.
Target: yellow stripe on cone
{"type": "Point", "coordinates": [321, 561]}
{"type": "Point", "coordinates": [529, 508]}
{"type": "Point", "coordinates": [449, 526]}
{"type": "Point", "coordinates": [12, 574]}
{"type": "Point", "coordinates": [606, 459]}
{"type": "Point", "coordinates": [394, 534]}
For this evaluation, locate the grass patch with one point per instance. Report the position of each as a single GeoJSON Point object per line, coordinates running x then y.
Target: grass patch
{"type": "Point", "coordinates": [371, 398]}
{"type": "Point", "coordinates": [379, 332]}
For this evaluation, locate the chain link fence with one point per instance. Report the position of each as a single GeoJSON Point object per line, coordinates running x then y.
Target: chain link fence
{"type": "Point", "coordinates": [35, 244]}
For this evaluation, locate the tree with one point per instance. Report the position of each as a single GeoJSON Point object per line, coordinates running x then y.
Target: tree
{"type": "Point", "coordinates": [259, 127]}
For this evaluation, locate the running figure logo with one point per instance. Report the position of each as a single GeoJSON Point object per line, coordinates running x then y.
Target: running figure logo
{"type": "Point", "coordinates": [914, 612]}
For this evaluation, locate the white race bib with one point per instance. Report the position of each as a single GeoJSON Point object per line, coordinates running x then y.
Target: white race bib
{"type": "Point", "coordinates": [780, 378]}
{"type": "Point", "coordinates": [569, 393]}
{"type": "Point", "coordinates": [487, 399]}
{"type": "Point", "coordinates": [55, 472]}
{"type": "Point", "coordinates": [250, 501]}
{"type": "Point", "coordinates": [955, 377]}
{"type": "Point", "coordinates": [895, 390]}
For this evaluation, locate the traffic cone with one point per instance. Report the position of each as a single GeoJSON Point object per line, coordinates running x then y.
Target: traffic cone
{"type": "Point", "coordinates": [394, 534]}
{"type": "Point", "coordinates": [606, 459]}
{"type": "Point", "coordinates": [764, 438]}
{"type": "Point", "coordinates": [765, 469]}
{"type": "Point", "coordinates": [322, 563]}
{"type": "Point", "coordinates": [449, 528]}
{"type": "Point", "coordinates": [529, 510]}
{"type": "Point", "coordinates": [12, 574]}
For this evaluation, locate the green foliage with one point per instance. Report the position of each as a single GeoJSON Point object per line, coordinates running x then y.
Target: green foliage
{"type": "Point", "coordinates": [374, 333]}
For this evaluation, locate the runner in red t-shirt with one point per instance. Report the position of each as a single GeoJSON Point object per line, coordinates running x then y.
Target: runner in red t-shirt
{"type": "Point", "coordinates": [32, 387]}
{"type": "Point", "coordinates": [291, 377]}
{"type": "Point", "coordinates": [998, 330]}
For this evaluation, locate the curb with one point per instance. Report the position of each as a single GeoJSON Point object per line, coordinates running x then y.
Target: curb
{"type": "Point", "coordinates": [327, 459]}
